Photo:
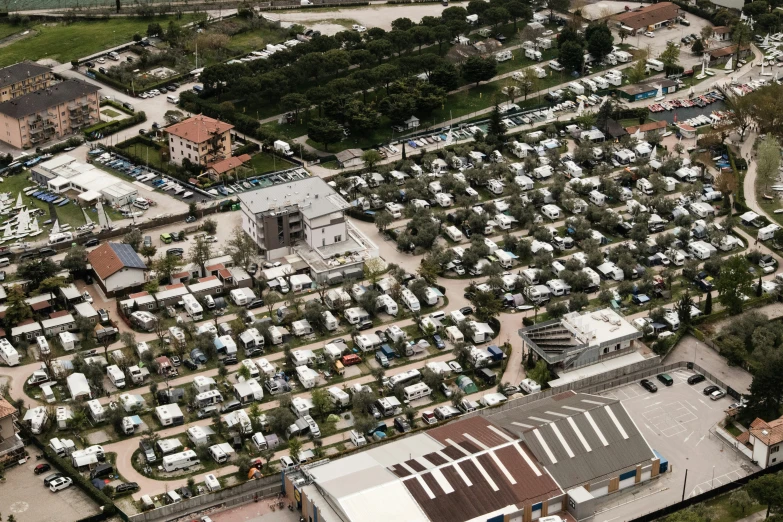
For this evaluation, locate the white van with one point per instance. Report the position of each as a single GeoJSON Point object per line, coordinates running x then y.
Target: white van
{"type": "Point", "coordinates": [172, 99]}
{"type": "Point", "coordinates": [358, 439]}
{"type": "Point", "coordinates": [4, 261]}
{"type": "Point", "coordinates": [43, 345]}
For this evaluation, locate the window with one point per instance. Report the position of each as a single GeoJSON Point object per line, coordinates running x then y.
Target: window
{"type": "Point", "coordinates": [775, 449]}
{"type": "Point", "coordinates": [616, 347]}
{"type": "Point", "coordinates": [606, 350]}
{"type": "Point", "coordinates": [337, 239]}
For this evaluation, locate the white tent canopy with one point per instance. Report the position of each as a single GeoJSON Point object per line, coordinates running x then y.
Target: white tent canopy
{"type": "Point", "coordinates": [78, 386]}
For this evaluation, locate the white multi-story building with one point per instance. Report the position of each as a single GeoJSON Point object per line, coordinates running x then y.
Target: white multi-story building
{"type": "Point", "coordinates": [309, 214]}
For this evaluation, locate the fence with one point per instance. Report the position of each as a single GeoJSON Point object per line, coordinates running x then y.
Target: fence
{"type": "Point", "coordinates": [231, 496]}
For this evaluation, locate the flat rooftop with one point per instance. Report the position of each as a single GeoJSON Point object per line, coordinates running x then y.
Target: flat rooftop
{"type": "Point", "coordinates": [313, 196]}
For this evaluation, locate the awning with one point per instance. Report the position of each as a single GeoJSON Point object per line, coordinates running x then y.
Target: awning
{"type": "Point", "coordinates": [436, 291]}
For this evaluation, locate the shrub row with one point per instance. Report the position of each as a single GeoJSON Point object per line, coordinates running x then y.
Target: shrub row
{"type": "Point", "coordinates": [110, 127]}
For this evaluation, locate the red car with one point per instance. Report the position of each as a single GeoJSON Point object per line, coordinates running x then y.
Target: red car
{"type": "Point", "coordinates": [41, 468]}
{"type": "Point", "coordinates": [350, 359]}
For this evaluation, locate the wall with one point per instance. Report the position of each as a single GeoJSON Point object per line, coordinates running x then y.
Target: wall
{"type": "Point", "coordinates": [228, 497]}
{"type": "Point", "coordinates": [126, 278]}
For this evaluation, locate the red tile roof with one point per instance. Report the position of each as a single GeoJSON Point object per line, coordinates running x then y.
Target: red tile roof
{"type": "Point", "coordinates": [137, 295]}
{"type": "Point", "coordinates": [198, 129]}
{"type": "Point", "coordinates": [653, 125]}
{"type": "Point", "coordinates": [43, 305]}
{"type": "Point", "coordinates": [6, 408]}
{"type": "Point", "coordinates": [208, 278]}
{"type": "Point", "coordinates": [55, 315]}
{"type": "Point", "coordinates": [721, 29]}
{"type": "Point", "coordinates": [225, 273]}
{"type": "Point", "coordinates": [215, 268]}
{"type": "Point", "coordinates": [172, 287]}
{"type": "Point", "coordinates": [228, 164]}
{"type": "Point", "coordinates": [768, 433]}
{"type": "Point", "coordinates": [110, 258]}
{"type": "Point", "coordinates": [649, 15]}
{"type": "Point", "coordinates": [726, 51]}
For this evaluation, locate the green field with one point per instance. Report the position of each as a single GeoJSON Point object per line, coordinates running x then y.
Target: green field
{"type": "Point", "coordinates": [65, 42]}
{"type": "Point", "coordinates": [262, 163]}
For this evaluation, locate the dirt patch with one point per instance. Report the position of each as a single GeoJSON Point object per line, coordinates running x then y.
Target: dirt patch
{"type": "Point", "coordinates": [8, 40]}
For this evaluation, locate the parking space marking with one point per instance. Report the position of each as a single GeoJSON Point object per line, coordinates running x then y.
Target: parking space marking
{"type": "Point", "coordinates": [717, 481]}
{"type": "Point", "coordinates": [669, 419]}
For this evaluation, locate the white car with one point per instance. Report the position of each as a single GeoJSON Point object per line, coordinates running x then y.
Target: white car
{"type": "Point", "coordinates": [649, 34]}
{"type": "Point", "coordinates": [101, 60]}
{"type": "Point", "coordinates": [459, 270]}
{"type": "Point", "coordinates": [768, 269]}
{"type": "Point", "coordinates": [717, 394]}
{"type": "Point", "coordinates": [60, 483]}
{"type": "Point", "coordinates": [87, 297]}
{"type": "Point", "coordinates": [455, 367]}
{"type": "Point", "coordinates": [360, 28]}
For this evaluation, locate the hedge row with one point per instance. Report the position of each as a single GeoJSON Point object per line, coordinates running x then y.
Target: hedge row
{"type": "Point", "coordinates": [110, 127]}
{"type": "Point", "coordinates": [248, 148]}
{"type": "Point", "coordinates": [117, 105]}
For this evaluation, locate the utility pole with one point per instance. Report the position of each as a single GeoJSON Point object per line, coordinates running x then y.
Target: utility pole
{"type": "Point", "coordinates": [685, 480]}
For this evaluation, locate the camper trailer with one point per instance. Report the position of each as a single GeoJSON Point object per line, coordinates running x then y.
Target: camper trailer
{"type": "Point", "coordinates": [116, 376]}
{"type": "Point", "coordinates": [177, 461]}
{"type": "Point", "coordinates": [454, 233]}
{"type": "Point", "coordinates": [192, 307]}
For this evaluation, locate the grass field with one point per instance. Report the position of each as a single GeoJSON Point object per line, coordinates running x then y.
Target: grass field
{"type": "Point", "coordinates": [262, 163]}
{"type": "Point", "coordinates": [7, 30]}
{"type": "Point", "coordinates": [150, 155]}
{"type": "Point", "coordinates": [66, 42]}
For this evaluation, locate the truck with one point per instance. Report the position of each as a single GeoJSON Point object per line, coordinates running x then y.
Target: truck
{"type": "Point", "coordinates": [282, 147]}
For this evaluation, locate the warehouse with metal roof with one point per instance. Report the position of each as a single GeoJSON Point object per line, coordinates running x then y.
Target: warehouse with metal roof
{"type": "Point", "coordinates": [552, 456]}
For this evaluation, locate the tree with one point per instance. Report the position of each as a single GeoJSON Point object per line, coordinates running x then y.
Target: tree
{"type": "Point", "coordinates": [371, 157]}
{"type": "Point", "coordinates": [742, 109]}
{"type": "Point", "coordinates": [740, 36]}
{"type": "Point", "coordinates": [133, 238]}
{"type": "Point", "coordinates": [768, 161]}
{"type": "Point", "coordinates": [599, 41]}
{"type": "Point", "coordinates": [697, 47]}
{"type": "Point", "coordinates": [476, 69]}
{"type": "Point", "coordinates": [294, 102]}
{"type": "Point", "coordinates": [558, 5]}
{"type": "Point", "coordinates": [36, 271]}
{"type": "Point", "coordinates": [200, 253]}
{"type": "Point", "coordinates": [638, 71]}
{"type": "Point", "coordinates": [768, 490]}
{"type": "Point", "coordinates": [166, 266]}
{"type": "Point", "coordinates": [75, 260]}
{"type": "Point", "coordinates": [496, 126]}
{"type": "Point", "coordinates": [486, 303]}
{"type": "Point", "coordinates": [623, 34]}
{"type": "Point", "coordinates": [148, 252]}
{"type": "Point", "coordinates": [18, 310]}
{"type": "Point", "coordinates": [708, 304]}
{"type": "Point", "coordinates": [445, 76]}
{"type": "Point", "coordinates": [684, 309]}
{"type": "Point", "coordinates": [294, 448]}
{"type": "Point", "coordinates": [518, 10]}
{"type": "Point", "coordinates": [209, 226]}
{"type": "Point", "coordinates": [383, 220]}
{"type": "Point", "coordinates": [733, 283]}
{"type": "Point", "coordinates": [572, 56]}
{"type": "Point", "coordinates": [540, 373]}
{"type": "Point", "coordinates": [741, 500]}
{"type": "Point", "coordinates": [671, 55]}
{"type": "Point", "coordinates": [324, 131]}
{"type": "Point", "coordinates": [766, 389]}
{"type": "Point", "coordinates": [241, 248]}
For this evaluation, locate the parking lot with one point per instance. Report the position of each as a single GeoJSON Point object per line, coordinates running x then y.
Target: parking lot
{"type": "Point", "coordinates": [26, 498]}
{"type": "Point", "coordinates": [676, 422]}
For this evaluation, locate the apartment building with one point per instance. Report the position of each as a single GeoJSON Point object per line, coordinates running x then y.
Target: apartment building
{"type": "Point", "coordinates": [199, 139]}
{"type": "Point", "coordinates": [54, 112]}
{"type": "Point", "coordinates": [11, 445]}
{"type": "Point", "coordinates": [306, 210]}
{"type": "Point", "coordinates": [23, 78]}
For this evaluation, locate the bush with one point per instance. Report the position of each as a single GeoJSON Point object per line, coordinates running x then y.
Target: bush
{"type": "Point", "coordinates": [248, 148]}
{"type": "Point", "coordinates": [107, 128]}
{"type": "Point", "coordinates": [528, 321]}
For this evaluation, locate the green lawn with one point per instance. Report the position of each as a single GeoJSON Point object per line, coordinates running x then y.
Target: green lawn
{"type": "Point", "coordinates": [66, 42]}
{"type": "Point", "coordinates": [7, 30]}
{"type": "Point", "coordinates": [256, 39]}
{"type": "Point", "coordinates": [262, 163]}
{"type": "Point", "coordinates": [150, 155]}
{"type": "Point", "coordinates": [110, 113]}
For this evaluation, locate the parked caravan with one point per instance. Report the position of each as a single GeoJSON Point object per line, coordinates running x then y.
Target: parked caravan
{"type": "Point", "coordinates": [330, 321]}
{"type": "Point", "coordinates": [410, 300]}
{"type": "Point", "coordinates": [533, 55]}
{"type": "Point", "coordinates": [529, 386]}
{"type": "Point", "coordinates": [644, 186]}
{"type": "Point", "coordinates": [416, 391]}
{"type": "Point", "coordinates": [116, 376]}
{"type": "Point", "coordinates": [454, 233]}
{"type": "Point", "coordinates": [182, 460]}
{"type": "Point", "coordinates": [192, 307]}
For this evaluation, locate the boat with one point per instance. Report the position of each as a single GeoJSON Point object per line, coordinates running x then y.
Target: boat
{"type": "Point", "coordinates": [768, 196]}
{"type": "Point", "coordinates": [660, 95]}
{"type": "Point", "coordinates": [667, 133]}
{"type": "Point", "coordinates": [778, 211]}
{"type": "Point", "coordinates": [522, 308]}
